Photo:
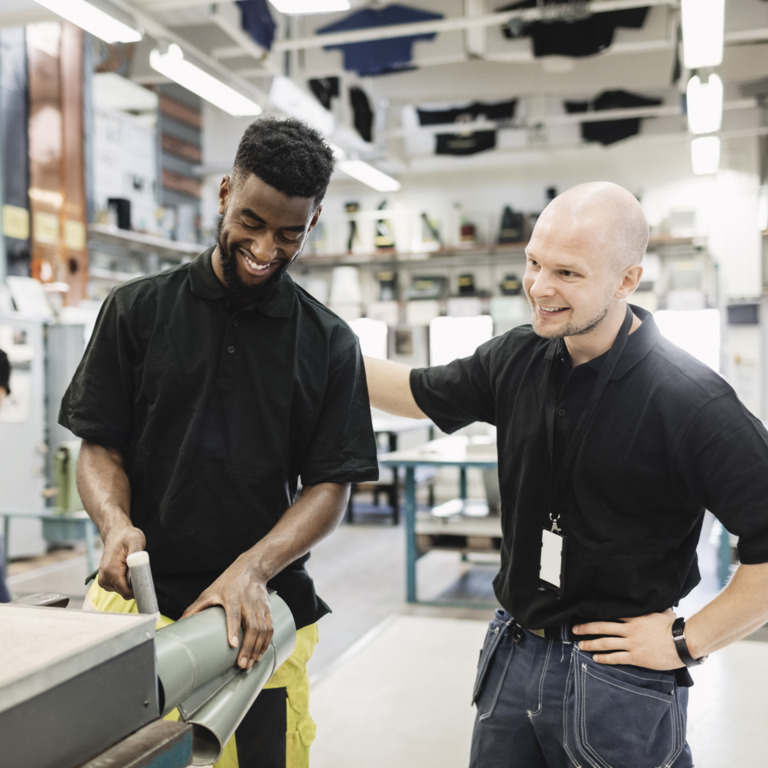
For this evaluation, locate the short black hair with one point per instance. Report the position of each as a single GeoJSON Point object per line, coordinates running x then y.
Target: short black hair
{"type": "Point", "coordinates": [5, 372]}
{"type": "Point", "coordinates": [286, 154]}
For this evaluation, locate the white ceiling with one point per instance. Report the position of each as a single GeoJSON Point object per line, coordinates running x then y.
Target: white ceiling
{"type": "Point", "coordinates": [469, 60]}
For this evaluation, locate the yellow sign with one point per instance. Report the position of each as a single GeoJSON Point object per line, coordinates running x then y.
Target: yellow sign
{"type": "Point", "coordinates": [74, 235]}
{"type": "Point", "coordinates": [16, 222]}
{"type": "Point", "coordinates": [45, 228]}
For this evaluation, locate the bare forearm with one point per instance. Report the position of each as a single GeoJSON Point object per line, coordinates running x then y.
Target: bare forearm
{"type": "Point", "coordinates": [242, 588]}
{"type": "Point", "coordinates": [389, 388]}
{"type": "Point", "coordinates": [315, 514]}
{"type": "Point", "coordinates": [741, 608]}
{"type": "Point", "coordinates": [103, 486]}
{"type": "Point", "coordinates": [106, 494]}
{"type": "Point", "coordinates": [646, 641]}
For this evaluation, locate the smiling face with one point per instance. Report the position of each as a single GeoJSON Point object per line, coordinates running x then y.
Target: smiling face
{"type": "Point", "coordinates": [261, 232]}
{"type": "Point", "coordinates": [582, 262]}
{"type": "Point", "coordinates": [569, 289]}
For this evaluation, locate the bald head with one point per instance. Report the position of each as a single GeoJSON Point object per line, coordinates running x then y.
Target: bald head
{"type": "Point", "coordinates": [604, 213]}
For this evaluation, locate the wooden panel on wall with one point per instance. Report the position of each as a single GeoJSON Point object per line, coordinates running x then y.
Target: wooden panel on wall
{"type": "Point", "coordinates": [56, 155]}
{"type": "Point", "coordinates": [45, 148]}
{"type": "Point", "coordinates": [13, 145]}
{"type": "Point", "coordinates": [73, 218]}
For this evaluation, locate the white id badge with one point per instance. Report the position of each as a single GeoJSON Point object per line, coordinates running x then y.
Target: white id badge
{"type": "Point", "coordinates": [551, 566]}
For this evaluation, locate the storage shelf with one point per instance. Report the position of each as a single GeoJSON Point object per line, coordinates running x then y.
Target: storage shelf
{"type": "Point", "coordinates": [127, 241]}
{"type": "Point", "coordinates": [478, 254]}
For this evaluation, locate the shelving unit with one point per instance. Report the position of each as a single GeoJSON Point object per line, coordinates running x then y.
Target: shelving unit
{"type": "Point", "coordinates": [117, 255]}
{"type": "Point", "coordinates": [681, 258]}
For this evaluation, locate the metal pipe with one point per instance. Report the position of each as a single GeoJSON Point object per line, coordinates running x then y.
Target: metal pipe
{"type": "Point", "coordinates": [193, 652]}
{"type": "Point", "coordinates": [214, 723]}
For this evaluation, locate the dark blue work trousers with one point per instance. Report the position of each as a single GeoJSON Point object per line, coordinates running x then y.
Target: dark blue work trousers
{"type": "Point", "coordinates": [543, 703]}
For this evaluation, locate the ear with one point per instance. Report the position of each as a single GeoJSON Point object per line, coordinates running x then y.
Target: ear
{"type": "Point", "coordinates": [224, 190]}
{"type": "Point", "coordinates": [629, 280]}
{"type": "Point", "coordinates": [315, 217]}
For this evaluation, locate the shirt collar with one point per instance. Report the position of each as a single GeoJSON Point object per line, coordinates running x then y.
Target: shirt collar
{"type": "Point", "coordinates": [639, 344]}
{"type": "Point", "coordinates": [204, 283]}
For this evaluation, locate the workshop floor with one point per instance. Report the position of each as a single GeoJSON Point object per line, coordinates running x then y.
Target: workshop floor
{"type": "Point", "coordinates": [376, 651]}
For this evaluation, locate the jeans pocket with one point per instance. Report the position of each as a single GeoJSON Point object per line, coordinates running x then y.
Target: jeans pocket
{"type": "Point", "coordinates": [621, 716]}
{"type": "Point", "coordinates": [493, 637]}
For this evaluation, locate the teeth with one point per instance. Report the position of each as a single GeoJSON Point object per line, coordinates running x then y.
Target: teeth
{"type": "Point", "coordinates": [255, 265]}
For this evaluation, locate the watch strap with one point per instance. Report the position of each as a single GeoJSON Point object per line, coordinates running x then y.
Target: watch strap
{"type": "Point", "coordinates": [678, 635]}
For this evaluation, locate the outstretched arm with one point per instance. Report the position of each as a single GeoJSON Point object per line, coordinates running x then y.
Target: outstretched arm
{"type": "Point", "coordinates": [389, 387]}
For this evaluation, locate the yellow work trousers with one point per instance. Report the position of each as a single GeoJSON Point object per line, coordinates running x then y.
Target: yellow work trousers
{"type": "Point", "coordinates": [291, 675]}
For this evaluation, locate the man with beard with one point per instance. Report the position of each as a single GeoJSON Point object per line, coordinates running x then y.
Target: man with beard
{"type": "Point", "coordinates": [612, 442]}
{"type": "Point", "coordinates": [206, 396]}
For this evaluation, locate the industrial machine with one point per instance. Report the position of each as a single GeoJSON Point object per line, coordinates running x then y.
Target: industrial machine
{"type": "Point", "coordinates": [76, 686]}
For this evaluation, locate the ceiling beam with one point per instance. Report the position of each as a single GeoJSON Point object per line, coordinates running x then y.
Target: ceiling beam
{"type": "Point", "coordinates": [454, 23]}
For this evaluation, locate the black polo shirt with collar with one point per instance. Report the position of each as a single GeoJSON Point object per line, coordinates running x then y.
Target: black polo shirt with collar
{"type": "Point", "coordinates": [219, 409]}
{"type": "Point", "coordinates": [669, 439]}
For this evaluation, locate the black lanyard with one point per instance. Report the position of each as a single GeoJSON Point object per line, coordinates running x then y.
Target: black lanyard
{"type": "Point", "coordinates": [561, 479]}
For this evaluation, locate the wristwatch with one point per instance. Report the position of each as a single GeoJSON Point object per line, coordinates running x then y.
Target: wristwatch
{"type": "Point", "coordinates": [678, 635]}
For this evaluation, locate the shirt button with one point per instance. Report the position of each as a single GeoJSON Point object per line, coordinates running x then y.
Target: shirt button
{"type": "Point", "coordinates": [230, 349]}
{"type": "Point", "coordinates": [561, 412]}
{"type": "Point", "coordinates": [235, 322]}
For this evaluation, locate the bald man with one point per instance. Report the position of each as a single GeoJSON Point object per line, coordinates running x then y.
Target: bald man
{"type": "Point", "coordinates": [612, 442]}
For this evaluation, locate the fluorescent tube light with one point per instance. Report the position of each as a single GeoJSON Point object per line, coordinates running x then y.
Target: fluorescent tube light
{"type": "Point", "coordinates": [704, 104]}
{"type": "Point", "coordinates": [369, 175]}
{"type": "Point", "coordinates": [310, 6]}
{"type": "Point", "coordinates": [173, 65]}
{"type": "Point", "coordinates": [703, 29]}
{"type": "Point", "coordinates": [705, 155]}
{"type": "Point", "coordinates": [101, 23]}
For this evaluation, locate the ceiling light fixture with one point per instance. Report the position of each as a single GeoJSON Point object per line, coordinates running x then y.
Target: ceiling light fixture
{"type": "Point", "coordinates": [703, 28]}
{"type": "Point", "coordinates": [110, 24]}
{"type": "Point", "coordinates": [173, 65]}
{"type": "Point", "coordinates": [310, 6]}
{"type": "Point", "coordinates": [369, 175]}
{"type": "Point", "coordinates": [705, 155]}
{"type": "Point", "coordinates": [704, 104]}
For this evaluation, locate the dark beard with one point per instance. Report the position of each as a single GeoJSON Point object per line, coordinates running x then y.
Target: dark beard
{"type": "Point", "coordinates": [248, 293]}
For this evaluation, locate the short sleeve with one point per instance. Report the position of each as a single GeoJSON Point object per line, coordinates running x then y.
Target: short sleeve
{"type": "Point", "coordinates": [457, 394]}
{"type": "Point", "coordinates": [97, 405]}
{"type": "Point", "coordinates": [342, 447]}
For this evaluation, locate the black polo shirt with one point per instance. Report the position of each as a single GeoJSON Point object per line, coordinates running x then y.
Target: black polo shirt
{"type": "Point", "coordinates": [219, 409]}
{"type": "Point", "coordinates": [669, 439]}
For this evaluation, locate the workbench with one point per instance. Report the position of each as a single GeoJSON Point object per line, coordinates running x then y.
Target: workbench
{"type": "Point", "coordinates": [457, 518]}
{"type": "Point", "coordinates": [387, 428]}
{"type": "Point", "coordinates": [57, 526]}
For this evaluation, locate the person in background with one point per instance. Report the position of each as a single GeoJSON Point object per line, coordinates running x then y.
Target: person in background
{"type": "Point", "coordinates": [5, 389]}
{"type": "Point", "coordinates": [224, 414]}
{"type": "Point", "coordinates": [612, 443]}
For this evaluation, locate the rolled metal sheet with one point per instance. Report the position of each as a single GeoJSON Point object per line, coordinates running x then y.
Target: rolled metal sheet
{"type": "Point", "coordinates": [194, 653]}
{"type": "Point", "coordinates": [214, 723]}
{"type": "Point", "coordinates": [190, 653]}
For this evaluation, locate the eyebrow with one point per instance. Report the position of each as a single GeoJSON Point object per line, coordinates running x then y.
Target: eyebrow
{"type": "Point", "coordinates": [251, 214]}
{"type": "Point", "coordinates": [569, 267]}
